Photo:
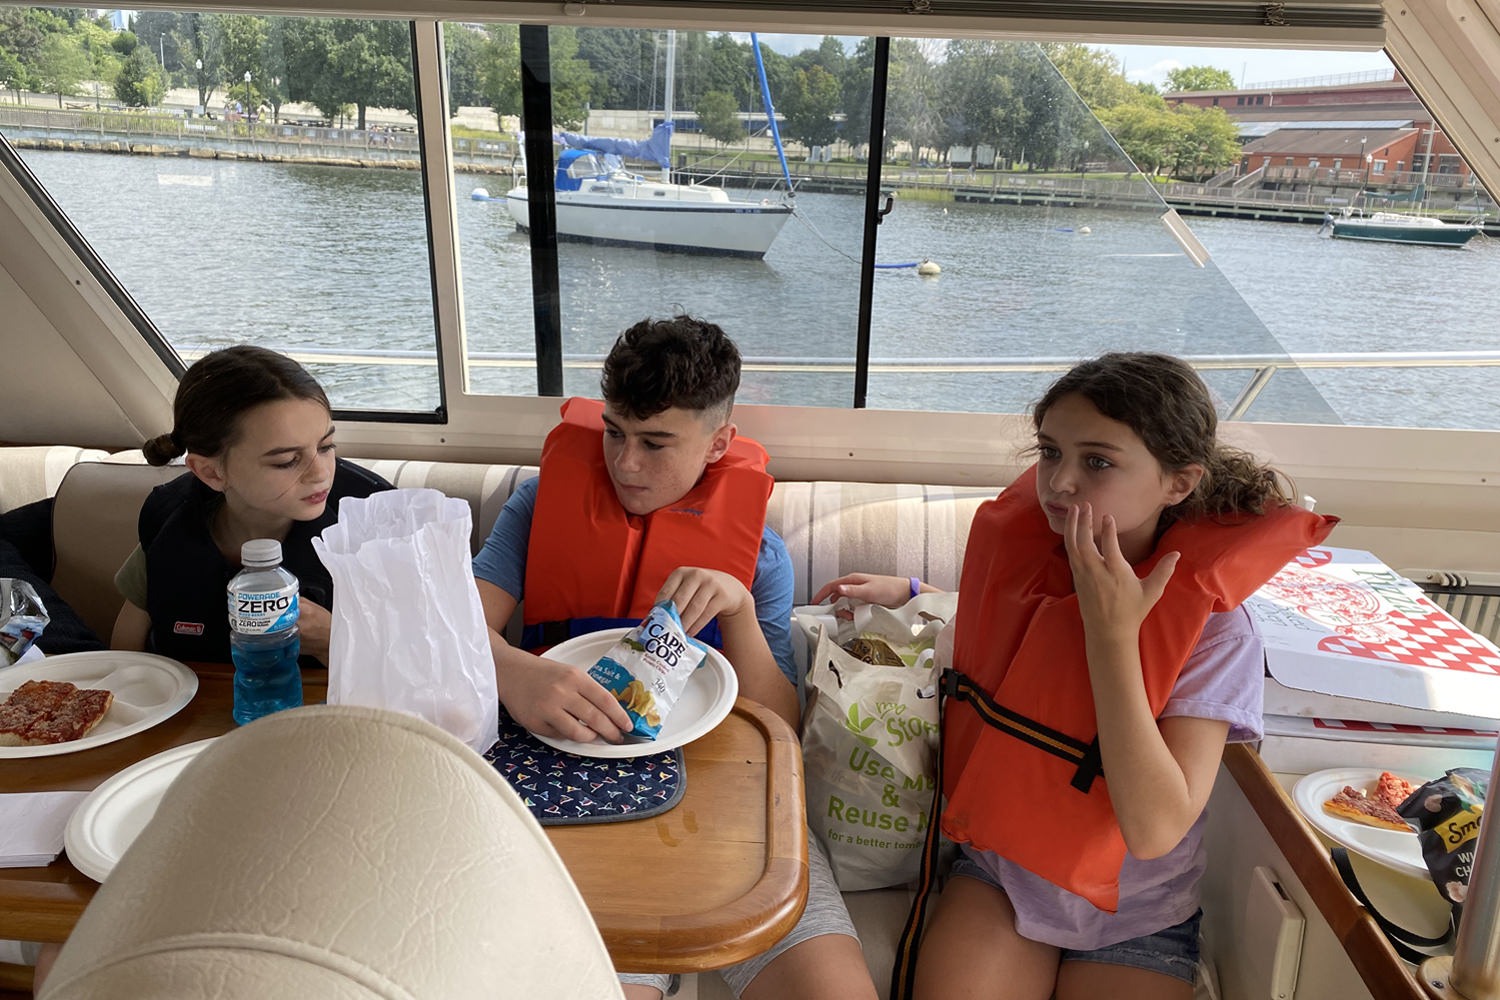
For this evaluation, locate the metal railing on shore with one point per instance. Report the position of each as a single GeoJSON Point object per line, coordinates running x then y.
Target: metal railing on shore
{"type": "Point", "coordinates": [287, 138]}
{"type": "Point", "coordinates": [1262, 366]}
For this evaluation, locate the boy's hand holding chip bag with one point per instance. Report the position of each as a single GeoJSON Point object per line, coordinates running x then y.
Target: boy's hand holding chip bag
{"type": "Point", "coordinates": [648, 667]}
{"type": "Point", "coordinates": [704, 594]}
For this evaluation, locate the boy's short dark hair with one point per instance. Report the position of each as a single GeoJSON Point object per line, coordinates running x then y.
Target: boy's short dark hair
{"type": "Point", "coordinates": [662, 363]}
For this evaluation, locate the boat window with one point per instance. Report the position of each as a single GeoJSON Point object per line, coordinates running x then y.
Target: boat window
{"type": "Point", "coordinates": [240, 179]}
{"type": "Point", "coordinates": [1067, 222]}
{"type": "Point", "coordinates": [1041, 230]}
{"type": "Point", "coordinates": [781, 275]}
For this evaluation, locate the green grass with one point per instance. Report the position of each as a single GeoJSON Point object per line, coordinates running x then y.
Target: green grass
{"type": "Point", "coordinates": [464, 132]}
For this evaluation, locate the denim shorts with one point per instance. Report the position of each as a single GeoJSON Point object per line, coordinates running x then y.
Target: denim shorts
{"type": "Point", "coordinates": [1172, 951]}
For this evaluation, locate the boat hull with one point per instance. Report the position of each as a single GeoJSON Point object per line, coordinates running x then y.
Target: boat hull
{"type": "Point", "coordinates": [733, 228]}
{"type": "Point", "coordinates": [1447, 236]}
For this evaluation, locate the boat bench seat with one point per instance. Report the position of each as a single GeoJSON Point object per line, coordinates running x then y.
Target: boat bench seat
{"type": "Point", "coordinates": [830, 528]}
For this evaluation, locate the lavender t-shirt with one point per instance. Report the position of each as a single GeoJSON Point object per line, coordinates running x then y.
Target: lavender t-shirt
{"type": "Point", "coordinates": [1223, 680]}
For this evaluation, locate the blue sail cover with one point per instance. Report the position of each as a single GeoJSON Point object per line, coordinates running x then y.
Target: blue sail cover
{"type": "Point", "coordinates": [657, 149]}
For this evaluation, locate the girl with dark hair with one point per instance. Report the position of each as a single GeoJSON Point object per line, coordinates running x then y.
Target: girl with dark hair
{"type": "Point", "coordinates": [1098, 663]}
{"type": "Point", "coordinates": [258, 437]}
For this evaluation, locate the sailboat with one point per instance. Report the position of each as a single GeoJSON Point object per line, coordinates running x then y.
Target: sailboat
{"type": "Point", "coordinates": [599, 201]}
{"type": "Point", "coordinates": [1404, 227]}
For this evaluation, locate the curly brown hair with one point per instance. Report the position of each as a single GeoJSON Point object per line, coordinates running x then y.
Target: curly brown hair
{"type": "Point", "coordinates": [661, 363]}
{"type": "Point", "coordinates": [1164, 401]}
{"type": "Point", "coordinates": [217, 389]}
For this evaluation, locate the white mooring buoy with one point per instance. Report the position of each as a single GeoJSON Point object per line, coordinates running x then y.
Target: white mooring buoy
{"type": "Point", "coordinates": [479, 194]}
{"type": "Point", "coordinates": [927, 268]}
{"type": "Point", "coordinates": [1085, 230]}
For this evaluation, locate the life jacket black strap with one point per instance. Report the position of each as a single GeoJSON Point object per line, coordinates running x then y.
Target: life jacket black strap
{"type": "Point", "coordinates": [1044, 738]}
{"type": "Point", "coordinates": [904, 972]}
{"type": "Point", "coordinates": [955, 685]}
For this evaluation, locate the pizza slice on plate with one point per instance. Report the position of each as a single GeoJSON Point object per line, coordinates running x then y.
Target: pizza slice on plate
{"type": "Point", "coordinates": [1357, 807]}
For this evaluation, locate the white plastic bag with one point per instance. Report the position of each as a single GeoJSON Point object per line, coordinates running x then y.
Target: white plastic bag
{"type": "Point", "coordinates": [408, 629]}
{"type": "Point", "coordinates": [869, 734]}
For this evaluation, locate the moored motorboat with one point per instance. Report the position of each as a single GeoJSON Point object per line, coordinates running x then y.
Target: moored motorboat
{"type": "Point", "coordinates": [1395, 227]}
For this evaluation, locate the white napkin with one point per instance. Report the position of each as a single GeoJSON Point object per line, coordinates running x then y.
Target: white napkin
{"type": "Point", "coordinates": [31, 826]}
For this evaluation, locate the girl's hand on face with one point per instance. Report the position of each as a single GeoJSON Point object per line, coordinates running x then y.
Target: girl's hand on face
{"type": "Point", "coordinates": [1110, 595]}
{"type": "Point", "coordinates": [891, 591]}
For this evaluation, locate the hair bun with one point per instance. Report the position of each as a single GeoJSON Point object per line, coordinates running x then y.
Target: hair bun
{"type": "Point", "coordinates": [162, 449]}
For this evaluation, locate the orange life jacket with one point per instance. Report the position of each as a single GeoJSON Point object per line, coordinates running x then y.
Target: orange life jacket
{"type": "Point", "coordinates": [1021, 768]}
{"type": "Point", "coordinates": [590, 565]}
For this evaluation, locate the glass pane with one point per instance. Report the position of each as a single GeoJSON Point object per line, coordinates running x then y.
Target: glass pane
{"type": "Point", "coordinates": [484, 93]}
{"type": "Point", "coordinates": [705, 225]}
{"type": "Point", "coordinates": [274, 198]}
{"type": "Point", "coordinates": [1048, 238]}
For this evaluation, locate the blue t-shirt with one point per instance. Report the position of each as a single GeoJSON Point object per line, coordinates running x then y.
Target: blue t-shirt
{"type": "Point", "coordinates": [502, 562]}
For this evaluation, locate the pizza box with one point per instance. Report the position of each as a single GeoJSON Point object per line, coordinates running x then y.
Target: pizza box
{"type": "Point", "coordinates": [1347, 637]}
{"type": "Point", "coordinates": [1296, 745]}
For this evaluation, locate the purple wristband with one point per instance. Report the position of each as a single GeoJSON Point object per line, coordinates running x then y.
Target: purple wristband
{"type": "Point", "coordinates": [916, 586]}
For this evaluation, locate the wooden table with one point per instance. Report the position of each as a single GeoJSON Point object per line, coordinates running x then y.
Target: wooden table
{"type": "Point", "coordinates": [725, 869]}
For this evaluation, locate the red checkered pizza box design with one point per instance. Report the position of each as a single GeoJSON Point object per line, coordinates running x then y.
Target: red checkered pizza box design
{"type": "Point", "coordinates": [1338, 621]}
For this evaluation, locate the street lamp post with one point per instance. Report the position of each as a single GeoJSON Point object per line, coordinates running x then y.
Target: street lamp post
{"type": "Point", "coordinates": [1369, 157]}
{"type": "Point", "coordinates": [1362, 140]}
{"type": "Point", "coordinates": [198, 82]}
{"type": "Point", "coordinates": [247, 95]}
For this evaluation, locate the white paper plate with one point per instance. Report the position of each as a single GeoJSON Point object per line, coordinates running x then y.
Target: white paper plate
{"type": "Point", "coordinates": [1400, 851]}
{"type": "Point", "coordinates": [705, 701]}
{"type": "Point", "coordinates": [148, 689]}
{"type": "Point", "coordinates": [115, 813]}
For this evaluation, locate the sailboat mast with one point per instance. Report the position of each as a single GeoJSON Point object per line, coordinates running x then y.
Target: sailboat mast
{"type": "Point", "coordinates": [666, 172]}
{"type": "Point", "coordinates": [765, 97]}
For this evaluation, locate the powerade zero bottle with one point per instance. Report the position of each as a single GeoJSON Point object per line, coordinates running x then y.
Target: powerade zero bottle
{"type": "Point", "coordinates": [263, 633]}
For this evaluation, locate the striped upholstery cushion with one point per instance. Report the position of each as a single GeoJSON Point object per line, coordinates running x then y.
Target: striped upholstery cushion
{"type": "Point", "coordinates": [833, 528]}
{"type": "Point", "coordinates": [485, 487]}
{"type": "Point", "coordinates": [28, 474]}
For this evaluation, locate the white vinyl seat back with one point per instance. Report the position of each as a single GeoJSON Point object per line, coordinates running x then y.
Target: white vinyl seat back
{"type": "Point", "coordinates": [336, 851]}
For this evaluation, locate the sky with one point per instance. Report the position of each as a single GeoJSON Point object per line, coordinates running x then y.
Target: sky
{"type": "Point", "coordinates": [1151, 63]}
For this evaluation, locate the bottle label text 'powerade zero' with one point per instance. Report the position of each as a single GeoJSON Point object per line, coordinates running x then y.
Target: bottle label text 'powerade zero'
{"type": "Point", "coordinates": [259, 612]}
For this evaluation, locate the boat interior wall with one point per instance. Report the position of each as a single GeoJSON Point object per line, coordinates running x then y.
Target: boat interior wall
{"type": "Point", "coordinates": [1450, 54]}
{"type": "Point", "coordinates": [66, 339]}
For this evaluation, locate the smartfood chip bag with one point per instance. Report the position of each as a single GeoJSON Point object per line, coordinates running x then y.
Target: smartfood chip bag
{"type": "Point", "coordinates": [648, 668]}
{"type": "Point", "coordinates": [1447, 812]}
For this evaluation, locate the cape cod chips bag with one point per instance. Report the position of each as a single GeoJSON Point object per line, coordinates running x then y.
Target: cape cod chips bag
{"type": "Point", "coordinates": [648, 668]}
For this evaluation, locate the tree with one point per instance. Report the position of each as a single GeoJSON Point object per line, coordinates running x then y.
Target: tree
{"type": "Point", "coordinates": [241, 39]}
{"type": "Point", "coordinates": [500, 70]}
{"type": "Point", "coordinates": [731, 70]}
{"type": "Point", "coordinates": [856, 84]}
{"type": "Point", "coordinates": [1149, 134]}
{"type": "Point", "coordinates": [1210, 140]}
{"type": "Point", "coordinates": [61, 65]}
{"type": "Point", "coordinates": [911, 112]}
{"type": "Point", "coordinates": [572, 78]}
{"type": "Point", "coordinates": [718, 117]}
{"type": "Point", "coordinates": [809, 113]}
{"type": "Point", "coordinates": [461, 48]}
{"type": "Point", "coordinates": [140, 82]}
{"type": "Point", "coordinates": [1094, 74]}
{"type": "Point", "coordinates": [1199, 78]}
{"type": "Point", "coordinates": [199, 42]}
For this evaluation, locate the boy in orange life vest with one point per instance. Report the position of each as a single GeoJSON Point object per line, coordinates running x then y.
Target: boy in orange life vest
{"type": "Point", "coordinates": [649, 497]}
{"type": "Point", "coordinates": [1099, 610]}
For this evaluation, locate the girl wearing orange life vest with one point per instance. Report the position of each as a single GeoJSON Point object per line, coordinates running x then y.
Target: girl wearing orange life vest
{"type": "Point", "coordinates": [1101, 678]}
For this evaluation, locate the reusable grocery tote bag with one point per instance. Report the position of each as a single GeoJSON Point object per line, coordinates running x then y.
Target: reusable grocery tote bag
{"type": "Point", "coordinates": [408, 630]}
{"type": "Point", "coordinates": [869, 734]}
